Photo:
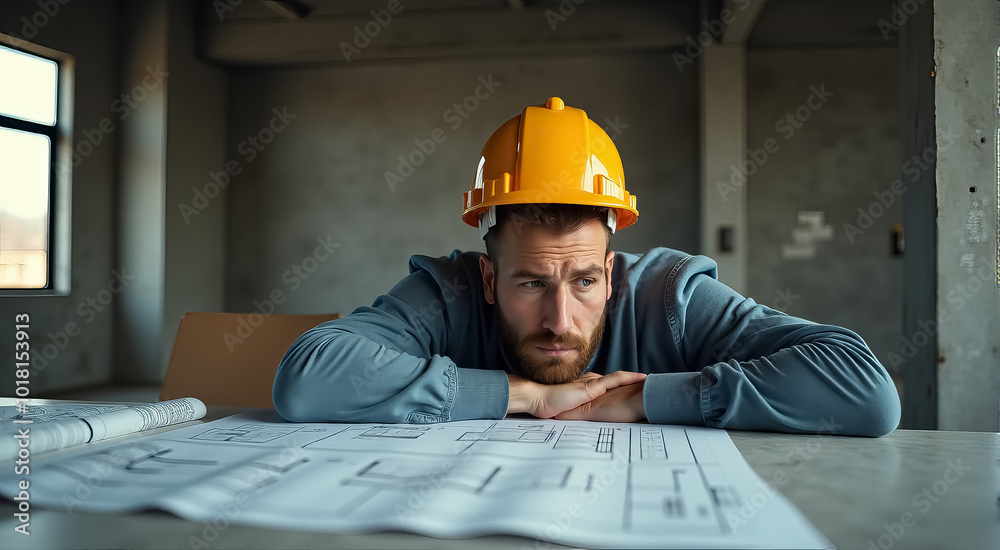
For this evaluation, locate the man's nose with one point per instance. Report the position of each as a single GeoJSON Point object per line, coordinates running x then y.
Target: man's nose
{"type": "Point", "coordinates": [557, 316]}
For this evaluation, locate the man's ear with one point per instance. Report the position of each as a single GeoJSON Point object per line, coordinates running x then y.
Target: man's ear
{"type": "Point", "coordinates": [489, 278]}
{"type": "Point", "coordinates": [609, 264]}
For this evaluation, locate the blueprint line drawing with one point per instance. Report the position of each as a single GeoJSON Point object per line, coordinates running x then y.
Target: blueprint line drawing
{"type": "Point", "coordinates": [652, 445]}
{"type": "Point", "coordinates": [398, 432]}
{"type": "Point", "coordinates": [602, 484]}
{"type": "Point", "coordinates": [247, 433]}
{"type": "Point", "coordinates": [52, 411]}
{"type": "Point", "coordinates": [522, 433]}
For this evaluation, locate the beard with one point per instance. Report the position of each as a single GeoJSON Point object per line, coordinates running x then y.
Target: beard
{"type": "Point", "coordinates": [552, 370]}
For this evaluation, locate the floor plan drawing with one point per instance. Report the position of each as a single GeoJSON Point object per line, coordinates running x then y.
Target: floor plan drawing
{"type": "Point", "coordinates": [577, 483]}
{"type": "Point", "coordinates": [396, 432]}
{"type": "Point", "coordinates": [247, 433]}
{"type": "Point", "coordinates": [523, 433]}
{"type": "Point", "coordinates": [598, 440]}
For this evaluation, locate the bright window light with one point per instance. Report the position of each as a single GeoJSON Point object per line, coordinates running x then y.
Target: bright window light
{"type": "Point", "coordinates": [29, 87]}
{"type": "Point", "coordinates": [24, 207]}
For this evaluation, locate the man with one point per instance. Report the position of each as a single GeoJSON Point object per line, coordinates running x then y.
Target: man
{"type": "Point", "coordinates": [553, 323]}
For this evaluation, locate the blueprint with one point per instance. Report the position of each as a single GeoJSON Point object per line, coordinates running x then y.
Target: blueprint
{"type": "Point", "coordinates": [40, 428]}
{"type": "Point", "coordinates": [586, 484]}
{"type": "Point", "coordinates": [54, 411]}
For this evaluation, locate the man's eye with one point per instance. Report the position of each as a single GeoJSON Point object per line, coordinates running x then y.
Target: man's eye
{"type": "Point", "coordinates": [587, 282]}
{"type": "Point", "coordinates": [532, 284]}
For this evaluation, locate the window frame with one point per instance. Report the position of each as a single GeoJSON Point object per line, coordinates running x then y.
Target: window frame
{"type": "Point", "coordinates": [60, 136]}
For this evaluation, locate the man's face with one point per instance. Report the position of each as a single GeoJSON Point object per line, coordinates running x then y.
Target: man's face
{"type": "Point", "coordinates": [550, 290]}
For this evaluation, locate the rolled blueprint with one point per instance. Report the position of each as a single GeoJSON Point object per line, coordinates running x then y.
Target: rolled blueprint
{"type": "Point", "coordinates": [41, 436]}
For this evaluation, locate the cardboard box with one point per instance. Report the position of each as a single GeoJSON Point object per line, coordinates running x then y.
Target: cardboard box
{"type": "Point", "coordinates": [229, 359]}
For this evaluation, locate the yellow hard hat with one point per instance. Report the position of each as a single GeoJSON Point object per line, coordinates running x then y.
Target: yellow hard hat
{"type": "Point", "coordinates": [549, 154]}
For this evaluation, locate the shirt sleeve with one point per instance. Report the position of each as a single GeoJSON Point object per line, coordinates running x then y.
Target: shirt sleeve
{"type": "Point", "coordinates": [385, 363]}
{"type": "Point", "coordinates": [755, 368]}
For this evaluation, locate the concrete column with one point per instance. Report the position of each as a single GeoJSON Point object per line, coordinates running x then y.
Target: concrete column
{"type": "Point", "coordinates": [723, 150]}
{"type": "Point", "coordinates": [966, 35]}
{"type": "Point", "coordinates": [173, 140]}
{"type": "Point", "coordinates": [949, 118]}
{"type": "Point", "coordinates": [142, 168]}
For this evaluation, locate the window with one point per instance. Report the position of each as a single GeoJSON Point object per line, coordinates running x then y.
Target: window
{"type": "Point", "coordinates": [34, 133]}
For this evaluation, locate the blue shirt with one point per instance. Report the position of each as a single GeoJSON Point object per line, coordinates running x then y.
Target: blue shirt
{"type": "Point", "coordinates": [429, 351]}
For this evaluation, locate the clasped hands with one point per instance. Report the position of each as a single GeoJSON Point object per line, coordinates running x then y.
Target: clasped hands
{"type": "Point", "coordinates": [615, 397]}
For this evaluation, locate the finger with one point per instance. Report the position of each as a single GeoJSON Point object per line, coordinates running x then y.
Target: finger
{"type": "Point", "coordinates": [578, 413]}
{"type": "Point", "coordinates": [619, 378]}
{"type": "Point", "coordinates": [589, 376]}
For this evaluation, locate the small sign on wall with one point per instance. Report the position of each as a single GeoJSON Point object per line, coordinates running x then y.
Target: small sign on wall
{"type": "Point", "coordinates": [810, 229]}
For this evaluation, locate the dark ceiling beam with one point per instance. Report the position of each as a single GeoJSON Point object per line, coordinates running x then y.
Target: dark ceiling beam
{"type": "Point", "coordinates": [412, 33]}
{"type": "Point", "coordinates": [821, 23]}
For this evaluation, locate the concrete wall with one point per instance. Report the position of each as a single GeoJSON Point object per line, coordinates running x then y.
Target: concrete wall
{"type": "Point", "coordinates": [169, 147]}
{"type": "Point", "coordinates": [332, 133]}
{"type": "Point", "coordinates": [195, 254]}
{"type": "Point", "coordinates": [87, 31]}
{"type": "Point", "coordinates": [323, 174]}
{"type": "Point", "coordinates": [847, 149]}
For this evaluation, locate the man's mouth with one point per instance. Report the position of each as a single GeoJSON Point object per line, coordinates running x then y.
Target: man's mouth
{"type": "Point", "coordinates": [554, 351]}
